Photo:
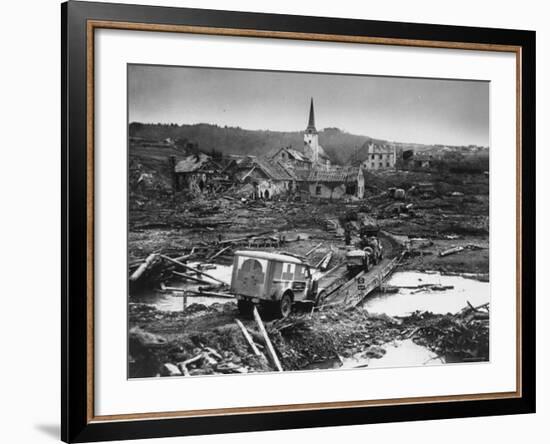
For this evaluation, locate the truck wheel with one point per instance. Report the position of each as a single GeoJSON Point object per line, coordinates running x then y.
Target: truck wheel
{"type": "Point", "coordinates": [320, 300]}
{"type": "Point", "coordinates": [285, 305]}
{"type": "Point", "coordinates": [245, 308]}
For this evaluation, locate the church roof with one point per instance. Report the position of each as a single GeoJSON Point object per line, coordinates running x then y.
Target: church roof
{"type": "Point", "coordinates": [311, 122]}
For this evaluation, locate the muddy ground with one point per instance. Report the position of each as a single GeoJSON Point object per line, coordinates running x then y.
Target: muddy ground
{"type": "Point", "coordinates": [207, 340]}
{"type": "Point", "coordinates": [452, 212]}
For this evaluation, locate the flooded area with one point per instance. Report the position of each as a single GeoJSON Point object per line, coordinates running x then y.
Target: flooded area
{"type": "Point", "coordinates": [404, 353]}
{"type": "Point", "coordinates": [408, 300]}
{"type": "Point", "coordinates": [178, 301]}
{"type": "Point", "coordinates": [402, 303]}
{"type": "Point", "coordinates": [418, 321]}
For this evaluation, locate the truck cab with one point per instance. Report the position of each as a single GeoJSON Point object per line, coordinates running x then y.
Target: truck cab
{"type": "Point", "coordinates": [277, 280]}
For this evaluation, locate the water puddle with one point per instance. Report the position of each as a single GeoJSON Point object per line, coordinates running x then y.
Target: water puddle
{"type": "Point", "coordinates": [398, 354]}
{"type": "Point", "coordinates": [408, 300]}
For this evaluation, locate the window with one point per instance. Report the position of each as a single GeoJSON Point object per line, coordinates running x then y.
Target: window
{"type": "Point", "coordinates": [318, 190]}
{"type": "Point", "coordinates": [388, 164]}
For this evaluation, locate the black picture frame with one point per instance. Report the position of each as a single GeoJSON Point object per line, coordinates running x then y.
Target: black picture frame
{"type": "Point", "coordinates": [76, 423]}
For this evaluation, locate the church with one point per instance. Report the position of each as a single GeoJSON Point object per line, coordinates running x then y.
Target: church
{"type": "Point", "coordinates": [312, 156]}
{"type": "Point", "coordinates": [312, 149]}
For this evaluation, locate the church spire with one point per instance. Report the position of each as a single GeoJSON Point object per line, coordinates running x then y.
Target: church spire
{"type": "Point", "coordinates": [311, 123]}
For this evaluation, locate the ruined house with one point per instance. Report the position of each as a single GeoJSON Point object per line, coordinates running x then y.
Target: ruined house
{"type": "Point", "coordinates": [292, 158]}
{"type": "Point", "coordinates": [196, 173]}
{"type": "Point", "coordinates": [269, 178]}
{"type": "Point", "coordinates": [420, 161]}
{"type": "Point", "coordinates": [379, 157]}
{"type": "Point", "coordinates": [336, 183]}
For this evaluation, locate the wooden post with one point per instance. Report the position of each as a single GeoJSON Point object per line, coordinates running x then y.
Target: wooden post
{"type": "Point", "coordinates": [267, 340]}
{"type": "Point", "coordinates": [249, 339]}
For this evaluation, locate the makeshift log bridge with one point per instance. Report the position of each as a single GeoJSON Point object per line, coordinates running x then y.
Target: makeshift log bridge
{"type": "Point", "coordinates": [350, 291]}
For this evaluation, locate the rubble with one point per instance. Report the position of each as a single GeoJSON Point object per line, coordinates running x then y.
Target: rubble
{"type": "Point", "coordinates": [302, 340]}
{"type": "Point", "coordinates": [169, 236]}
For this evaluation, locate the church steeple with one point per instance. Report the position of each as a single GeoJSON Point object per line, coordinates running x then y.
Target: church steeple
{"type": "Point", "coordinates": [311, 124]}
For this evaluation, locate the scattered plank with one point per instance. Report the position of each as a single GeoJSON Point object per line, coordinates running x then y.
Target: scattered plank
{"type": "Point", "coordinates": [145, 265]}
{"type": "Point", "coordinates": [313, 249]}
{"type": "Point", "coordinates": [187, 267]}
{"type": "Point", "coordinates": [450, 251]}
{"type": "Point", "coordinates": [270, 348]}
{"type": "Point", "coordinates": [210, 294]}
{"type": "Point", "coordinates": [191, 278]}
{"type": "Point", "coordinates": [249, 339]}
{"type": "Point", "coordinates": [325, 261]}
{"type": "Point", "coordinates": [214, 256]}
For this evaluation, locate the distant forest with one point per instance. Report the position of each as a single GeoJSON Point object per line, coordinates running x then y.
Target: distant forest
{"type": "Point", "coordinates": [339, 145]}
{"type": "Point", "coordinates": [343, 148]}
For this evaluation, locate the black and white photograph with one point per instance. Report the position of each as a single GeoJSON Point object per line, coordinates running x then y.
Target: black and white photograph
{"type": "Point", "coordinates": [300, 221]}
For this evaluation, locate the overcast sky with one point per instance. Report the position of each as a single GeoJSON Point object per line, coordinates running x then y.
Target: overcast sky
{"type": "Point", "coordinates": [397, 109]}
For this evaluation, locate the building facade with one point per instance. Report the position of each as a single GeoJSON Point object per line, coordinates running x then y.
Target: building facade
{"type": "Point", "coordinates": [379, 157]}
{"type": "Point", "coordinates": [336, 183]}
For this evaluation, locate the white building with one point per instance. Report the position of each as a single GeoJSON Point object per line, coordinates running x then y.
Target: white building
{"type": "Point", "coordinates": [379, 157]}
{"type": "Point", "coordinates": [312, 149]}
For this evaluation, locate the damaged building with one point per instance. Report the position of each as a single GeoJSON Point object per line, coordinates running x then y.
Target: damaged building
{"type": "Point", "coordinates": [336, 183]}
{"type": "Point", "coordinates": [292, 158]}
{"type": "Point", "coordinates": [196, 173]}
{"type": "Point", "coordinates": [379, 157]}
{"type": "Point", "coordinates": [269, 178]}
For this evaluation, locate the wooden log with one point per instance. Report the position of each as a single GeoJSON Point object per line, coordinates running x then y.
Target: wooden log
{"type": "Point", "coordinates": [150, 260]}
{"type": "Point", "coordinates": [325, 261]}
{"type": "Point", "coordinates": [211, 294]}
{"type": "Point", "coordinates": [195, 293]}
{"type": "Point", "coordinates": [219, 252]}
{"type": "Point", "coordinates": [270, 348]}
{"type": "Point", "coordinates": [183, 367]}
{"type": "Point", "coordinates": [249, 338]}
{"type": "Point", "coordinates": [193, 359]}
{"type": "Point", "coordinates": [186, 256]}
{"type": "Point", "coordinates": [450, 251]}
{"type": "Point", "coordinates": [191, 278]}
{"type": "Point", "coordinates": [187, 267]}
{"type": "Point", "coordinates": [313, 249]}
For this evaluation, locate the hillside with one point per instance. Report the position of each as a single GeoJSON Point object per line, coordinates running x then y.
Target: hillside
{"type": "Point", "coordinates": [342, 147]}
{"type": "Point", "coordinates": [338, 144]}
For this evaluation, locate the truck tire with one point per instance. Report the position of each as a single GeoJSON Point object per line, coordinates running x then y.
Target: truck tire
{"type": "Point", "coordinates": [320, 299]}
{"type": "Point", "coordinates": [284, 307]}
{"type": "Point", "coordinates": [245, 308]}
